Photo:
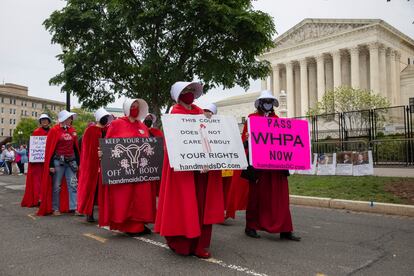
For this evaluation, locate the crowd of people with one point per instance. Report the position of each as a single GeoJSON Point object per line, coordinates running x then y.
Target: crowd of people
{"type": "Point", "coordinates": [189, 202]}
{"type": "Point", "coordinates": [11, 157]}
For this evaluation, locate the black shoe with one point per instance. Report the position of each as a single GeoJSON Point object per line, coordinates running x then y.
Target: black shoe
{"type": "Point", "coordinates": [251, 233]}
{"type": "Point", "coordinates": [90, 218]}
{"type": "Point", "coordinates": [146, 231]}
{"type": "Point", "coordinates": [289, 236]}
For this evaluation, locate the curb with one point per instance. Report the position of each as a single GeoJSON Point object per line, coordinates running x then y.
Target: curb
{"type": "Point", "coordinates": [352, 205]}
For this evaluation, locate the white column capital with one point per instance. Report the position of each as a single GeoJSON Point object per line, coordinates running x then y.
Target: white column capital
{"type": "Point", "coordinates": [303, 62]}
{"type": "Point", "coordinates": [374, 46]}
{"type": "Point", "coordinates": [289, 65]}
{"type": "Point", "coordinates": [336, 53]}
{"type": "Point", "coordinates": [320, 57]}
{"type": "Point", "coordinates": [354, 50]}
{"type": "Point", "coordinates": [275, 67]}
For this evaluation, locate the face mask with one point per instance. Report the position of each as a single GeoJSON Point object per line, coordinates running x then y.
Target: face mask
{"type": "Point", "coordinates": [104, 120]}
{"type": "Point", "coordinates": [187, 98]}
{"type": "Point", "coordinates": [148, 123]}
{"type": "Point", "coordinates": [267, 106]}
{"type": "Point", "coordinates": [133, 112]}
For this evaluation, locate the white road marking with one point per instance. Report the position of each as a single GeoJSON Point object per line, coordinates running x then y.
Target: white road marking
{"type": "Point", "coordinates": [16, 187]}
{"type": "Point", "coordinates": [211, 260]}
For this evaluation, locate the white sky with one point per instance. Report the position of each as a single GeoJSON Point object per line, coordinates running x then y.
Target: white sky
{"type": "Point", "coordinates": [28, 58]}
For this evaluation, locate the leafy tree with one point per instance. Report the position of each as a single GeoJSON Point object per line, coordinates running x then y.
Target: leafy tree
{"type": "Point", "coordinates": [25, 127]}
{"type": "Point", "coordinates": [140, 48]}
{"type": "Point", "coordinates": [346, 99]}
{"type": "Point", "coordinates": [355, 104]}
{"type": "Point", "coordinates": [82, 120]}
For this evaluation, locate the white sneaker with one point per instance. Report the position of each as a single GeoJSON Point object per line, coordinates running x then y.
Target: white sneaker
{"type": "Point", "coordinates": [19, 174]}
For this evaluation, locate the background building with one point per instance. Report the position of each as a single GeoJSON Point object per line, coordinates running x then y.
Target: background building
{"type": "Point", "coordinates": [318, 55]}
{"type": "Point", "coordinates": [15, 103]}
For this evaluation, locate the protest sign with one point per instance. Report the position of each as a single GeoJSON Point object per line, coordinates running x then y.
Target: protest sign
{"type": "Point", "coordinates": [312, 170]}
{"type": "Point", "coordinates": [37, 146]}
{"type": "Point", "coordinates": [278, 143]}
{"type": "Point", "coordinates": [131, 160]}
{"type": "Point", "coordinates": [344, 163]}
{"type": "Point", "coordinates": [363, 163]}
{"type": "Point", "coordinates": [195, 142]}
{"type": "Point", "coordinates": [326, 164]}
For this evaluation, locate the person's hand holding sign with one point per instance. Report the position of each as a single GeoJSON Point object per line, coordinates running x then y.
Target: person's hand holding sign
{"type": "Point", "coordinates": [100, 153]}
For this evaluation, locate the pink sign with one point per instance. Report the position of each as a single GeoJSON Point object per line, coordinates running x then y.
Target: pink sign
{"type": "Point", "coordinates": [279, 144]}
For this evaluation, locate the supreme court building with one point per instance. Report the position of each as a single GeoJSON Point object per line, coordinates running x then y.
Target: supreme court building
{"type": "Point", "coordinates": [318, 55]}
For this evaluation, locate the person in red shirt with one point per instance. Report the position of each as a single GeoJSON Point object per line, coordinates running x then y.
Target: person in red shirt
{"type": "Point", "coordinates": [31, 196]}
{"type": "Point", "coordinates": [190, 202]}
{"type": "Point", "coordinates": [60, 172]}
{"type": "Point", "coordinates": [128, 207]}
{"type": "Point", "coordinates": [90, 177]}
{"type": "Point", "coordinates": [268, 198]}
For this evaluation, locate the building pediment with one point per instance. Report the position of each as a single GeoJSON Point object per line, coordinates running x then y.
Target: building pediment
{"type": "Point", "coordinates": [310, 30]}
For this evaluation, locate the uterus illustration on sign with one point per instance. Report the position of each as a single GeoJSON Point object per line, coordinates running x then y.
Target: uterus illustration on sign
{"type": "Point", "coordinates": [205, 143]}
{"type": "Point", "coordinates": [134, 155]}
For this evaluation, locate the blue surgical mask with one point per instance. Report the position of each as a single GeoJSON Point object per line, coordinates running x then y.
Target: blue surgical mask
{"type": "Point", "coordinates": [267, 106]}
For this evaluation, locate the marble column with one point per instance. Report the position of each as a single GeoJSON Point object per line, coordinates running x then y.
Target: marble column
{"type": "Point", "coordinates": [397, 79]}
{"type": "Point", "coordinates": [320, 68]}
{"type": "Point", "coordinates": [374, 67]}
{"type": "Point", "coordinates": [290, 90]}
{"type": "Point", "coordinates": [393, 75]}
{"type": "Point", "coordinates": [336, 59]}
{"type": "Point", "coordinates": [264, 84]}
{"type": "Point", "coordinates": [354, 67]}
{"type": "Point", "coordinates": [304, 92]}
{"type": "Point", "coordinates": [276, 80]}
{"type": "Point", "coordinates": [383, 72]}
{"type": "Point", "coordinates": [312, 87]}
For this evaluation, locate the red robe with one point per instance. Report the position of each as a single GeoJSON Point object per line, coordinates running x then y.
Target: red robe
{"type": "Point", "coordinates": [126, 207]}
{"type": "Point", "coordinates": [31, 196]}
{"type": "Point", "coordinates": [89, 171]}
{"type": "Point", "coordinates": [268, 200]}
{"type": "Point", "coordinates": [186, 205]}
{"type": "Point", "coordinates": [239, 188]}
{"type": "Point", "coordinates": [155, 132]}
{"type": "Point", "coordinates": [47, 180]}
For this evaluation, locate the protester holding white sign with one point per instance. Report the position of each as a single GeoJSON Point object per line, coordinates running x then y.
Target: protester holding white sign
{"type": "Point", "coordinates": [37, 146]}
{"type": "Point", "coordinates": [128, 207]}
{"type": "Point", "coordinates": [190, 201]}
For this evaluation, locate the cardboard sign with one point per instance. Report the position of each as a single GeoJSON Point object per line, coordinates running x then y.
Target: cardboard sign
{"type": "Point", "coordinates": [312, 170]}
{"type": "Point", "coordinates": [37, 147]}
{"type": "Point", "coordinates": [279, 144]}
{"type": "Point", "coordinates": [195, 142]}
{"type": "Point", "coordinates": [344, 163]}
{"type": "Point", "coordinates": [326, 164]}
{"type": "Point", "coordinates": [363, 163]}
{"type": "Point", "coordinates": [131, 160]}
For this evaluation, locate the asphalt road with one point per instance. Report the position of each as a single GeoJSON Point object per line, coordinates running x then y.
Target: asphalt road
{"type": "Point", "coordinates": [334, 242]}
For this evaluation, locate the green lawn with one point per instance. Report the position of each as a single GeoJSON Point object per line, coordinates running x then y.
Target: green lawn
{"type": "Point", "coordinates": [365, 188]}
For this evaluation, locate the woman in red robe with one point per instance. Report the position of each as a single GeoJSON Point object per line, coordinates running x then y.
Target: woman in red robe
{"type": "Point", "coordinates": [128, 207]}
{"type": "Point", "coordinates": [190, 201]}
{"type": "Point", "coordinates": [31, 196]}
{"type": "Point", "coordinates": [268, 199]}
{"type": "Point", "coordinates": [90, 177]}
{"type": "Point", "coordinates": [59, 180]}
{"type": "Point", "coordinates": [149, 121]}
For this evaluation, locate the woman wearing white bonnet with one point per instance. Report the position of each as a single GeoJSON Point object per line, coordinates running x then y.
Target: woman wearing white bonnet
{"type": "Point", "coordinates": [190, 202]}
{"type": "Point", "coordinates": [128, 207]}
